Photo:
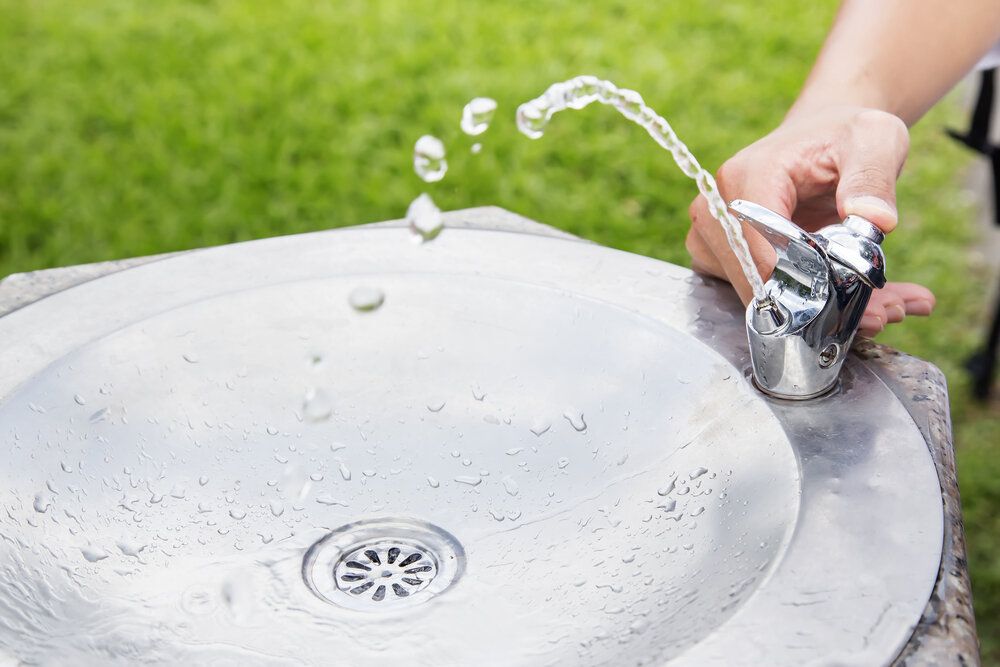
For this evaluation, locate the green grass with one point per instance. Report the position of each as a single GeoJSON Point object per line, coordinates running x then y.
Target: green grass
{"type": "Point", "coordinates": [136, 128]}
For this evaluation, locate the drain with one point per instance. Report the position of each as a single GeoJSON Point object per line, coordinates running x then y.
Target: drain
{"type": "Point", "coordinates": [383, 564]}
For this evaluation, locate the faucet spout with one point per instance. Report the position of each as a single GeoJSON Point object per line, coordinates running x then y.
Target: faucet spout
{"type": "Point", "coordinates": [800, 334]}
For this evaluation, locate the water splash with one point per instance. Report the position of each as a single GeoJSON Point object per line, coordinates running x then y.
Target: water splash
{"type": "Point", "coordinates": [424, 219]}
{"type": "Point", "coordinates": [533, 117]}
{"type": "Point", "coordinates": [429, 159]}
{"type": "Point", "coordinates": [477, 115]}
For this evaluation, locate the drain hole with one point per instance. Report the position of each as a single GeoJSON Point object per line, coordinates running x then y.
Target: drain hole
{"type": "Point", "coordinates": [373, 557]}
{"type": "Point", "coordinates": [358, 590]}
{"type": "Point", "coordinates": [413, 581]}
{"type": "Point", "coordinates": [400, 591]}
{"type": "Point", "coordinates": [393, 554]}
{"type": "Point", "coordinates": [352, 577]}
{"type": "Point", "coordinates": [412, 558]}
{"type": "Point", "coordinates": [422, 568]}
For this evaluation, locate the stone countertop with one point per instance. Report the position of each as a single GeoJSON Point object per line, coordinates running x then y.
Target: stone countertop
{"type": "Point", "coordinates": [945, 635]}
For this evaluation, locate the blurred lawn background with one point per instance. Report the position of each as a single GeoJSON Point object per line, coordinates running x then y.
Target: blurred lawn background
{"type": "Point", "coordinates": [135, 128]}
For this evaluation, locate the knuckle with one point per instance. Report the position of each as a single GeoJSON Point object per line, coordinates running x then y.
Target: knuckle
{"type": "Point", "coordinates": [883, 124]}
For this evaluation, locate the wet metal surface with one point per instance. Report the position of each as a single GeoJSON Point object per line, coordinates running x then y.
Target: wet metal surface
{"type": "Point", "coordinates": [179, 437]}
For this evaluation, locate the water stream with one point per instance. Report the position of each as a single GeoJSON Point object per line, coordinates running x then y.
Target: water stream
{"type": "Point", "coordinates": [533, 117]}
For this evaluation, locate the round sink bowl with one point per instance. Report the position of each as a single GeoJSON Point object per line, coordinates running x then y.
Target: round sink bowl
{"type": "Point", "coordinates": [534, 451]}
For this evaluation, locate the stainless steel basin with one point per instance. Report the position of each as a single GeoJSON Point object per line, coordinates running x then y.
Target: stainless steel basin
{"type": "Point", "coordinates": [536, 451]}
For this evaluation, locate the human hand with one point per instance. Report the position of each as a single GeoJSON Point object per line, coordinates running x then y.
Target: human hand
{"type": "Point", "coordinates": [815, 169]}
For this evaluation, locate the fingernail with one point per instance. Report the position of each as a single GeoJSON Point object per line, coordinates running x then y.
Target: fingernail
{"type": "Point", "coordinates": [895, 313]}
{"type": "Point", "coordinates": [919, 307]}
{"type": "Point", "coordinates": [871, 325]}
{"type": "Point", "coordinates": [880, 212]}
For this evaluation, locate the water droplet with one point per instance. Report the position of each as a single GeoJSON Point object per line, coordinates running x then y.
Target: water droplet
{"type": "Point", "coordinates": [131, 549]}
{"type": "Point", "coordinates": [539, 427]}
{"type": "Point", "coordinates": [277, 507]}
{"type": "Point", "coordinates": [471, 481]}
{"type": "Point", "coordinates": [433, 483]}
{"type": "Point", "coordinates": [492, 419]}
{"type": "Point", "coordinates": [697, 472]}
{"type": "Point", "coordinates": [80, 400]}
{"type": "Point", "coordinates": [190, 357]}
{"type": "Point", "coordinates": [563, 462]}
{"type": "Point", "coordinates": [668, 487]}
{"type": "Point", "coordinates": [66, 467]}
{"type": "Point", "coordinates": [477, 115]}
{"type": "Point", "coordinates": [42, 502]}
{"type": "Point", "coordinates": [476, 148]}
{"type": "Point", "coordinates": [436, 406]}
{"type": "Point", "coordinates": [93, 554]}
{"type": "Point", "coordinates": [478, 393]}
{"type": "Point", "coordinates": [698, 511]}
{"type": "Point", "coordinates": [35, 407]}
{"type": "Point", "coordinates": [575, 419]}
{"type": "Point", "coordinates": [424, 219]}
{"type": "Point", "coordinates": [271, 430]}
{"type": "Point", "coordinates": [429, 159]}
{"type": "Point", "coordinates": [510, 486]}
{"type": "Point", "coordinates": [497, 516]}
{"type": "Point", "coordinates": [237, 514]}
{"type": "Point", "coordinates": [668, 505]}
{"type": "Point", "coordinates": [366, 299]}
{"type": "Point", "coordinates": [514, 451]}
{"type": "Point", "coordinates": [203, 480]}
{"type": "Point", "coordinates": [317, 405]}
{"type": "Point", "coordinates": [345, 472]}
{"type": "Point", "coordinates": [324, 499]}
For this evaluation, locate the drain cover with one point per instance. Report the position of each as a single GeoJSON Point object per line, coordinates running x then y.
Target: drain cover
{"type": "Point", "coordinates": [383, 564]}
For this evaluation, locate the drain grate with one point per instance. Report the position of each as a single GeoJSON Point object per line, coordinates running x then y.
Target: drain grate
{"type": "Point", "coordinates": [382, 564]}
{"type": "Point", "coordinates": [385, 568]}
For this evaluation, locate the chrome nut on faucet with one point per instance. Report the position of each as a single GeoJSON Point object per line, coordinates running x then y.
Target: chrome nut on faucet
{"type": "Point", "coordinates": [800, 333]}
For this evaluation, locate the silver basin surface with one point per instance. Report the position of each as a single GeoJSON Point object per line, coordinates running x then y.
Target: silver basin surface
{"type": "Point", "coordinates": [537, 451]}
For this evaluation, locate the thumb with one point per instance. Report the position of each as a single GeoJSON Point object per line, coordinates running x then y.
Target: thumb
{"type": "Point", "coordinates": [869, 164]}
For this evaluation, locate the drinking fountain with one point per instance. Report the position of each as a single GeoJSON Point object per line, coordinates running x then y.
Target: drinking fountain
{"type": "Point", "coordinates": [518, 448]}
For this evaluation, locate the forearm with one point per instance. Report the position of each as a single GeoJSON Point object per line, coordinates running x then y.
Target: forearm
{"type": "Point", "coordinates": [899, 56]}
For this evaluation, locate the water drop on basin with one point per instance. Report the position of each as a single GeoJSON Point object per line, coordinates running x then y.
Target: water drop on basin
{"type": "Point", "coordinates": [539, 427]}
{"type": "Point", "coordinates": [345, 472]}
{"type": "Point", "coordinates": [93, 554]}
{"type": "Point", "coordinates": [697, 472]}
{"type": "Point", "coordinates": [435, 406]}
{"type": "Point", "coordinates": [563, 462]}
{"type": "Point", "coordinates": [510, 486]}
{"type": "Point", "coordinates": [324, 499]}
{"type": "Point", "coordinates": [366, 299]}
{"type": "Point", "coordinates": [190, 357]}
{"type": "Point", "coordinates": [424, 219]}
{"type": "Point", "coordinates": [433, 483]}
{"type": "Point", "coordinates": [477, 115]}
{"type": "Point", "coordinates": [42, 502]}
{"type": "Point", "coordinates": [575, 419]}
{"type": "Point", "coordinates": [238, 515]}
{"type": "Point", "coordinates": [80, 400]}
{"type": "Point", "coordinates": [429, 159]}
{"type": "Point", "coordinates": [471, 481]}
{"type": "Point", "coordinates": [277, 507]}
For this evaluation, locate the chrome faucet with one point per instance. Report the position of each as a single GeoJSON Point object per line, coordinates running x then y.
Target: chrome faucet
{"type": "Point", "coordinates": [801, 332]}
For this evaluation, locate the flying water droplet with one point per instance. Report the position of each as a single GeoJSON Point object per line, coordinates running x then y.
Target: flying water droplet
{"type": "Point", "coordinates": [366, 299]}
{"type": "Point", "coordinates": [424, 219]}
{"type": "Point", "coordinates": [317, 405]}
{"type": "Point", "coordinates": [476, 148]}
{"type": "Point", "coordinates": [477, 115]}
{"type": "Point", "coordinates": [429, 159]}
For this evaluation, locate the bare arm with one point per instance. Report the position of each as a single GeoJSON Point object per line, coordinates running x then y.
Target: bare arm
{"type": "Point", "coordinates": [899, 56]}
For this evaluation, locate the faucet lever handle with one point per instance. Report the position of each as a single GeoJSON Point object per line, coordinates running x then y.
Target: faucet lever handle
{"type": "Point", "coordinates": [801, 258]}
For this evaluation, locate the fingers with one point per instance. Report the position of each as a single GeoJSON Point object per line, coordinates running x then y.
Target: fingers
{"type": "Point", "coordinates": [893, 303]}
{"type": "Point", "coordinates": [708, 238]}
{"type": "Point", "coordinates": [869, 162]}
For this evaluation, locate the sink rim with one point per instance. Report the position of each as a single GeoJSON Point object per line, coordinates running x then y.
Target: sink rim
{"type": "Point", "coordinates": [84, 312]}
